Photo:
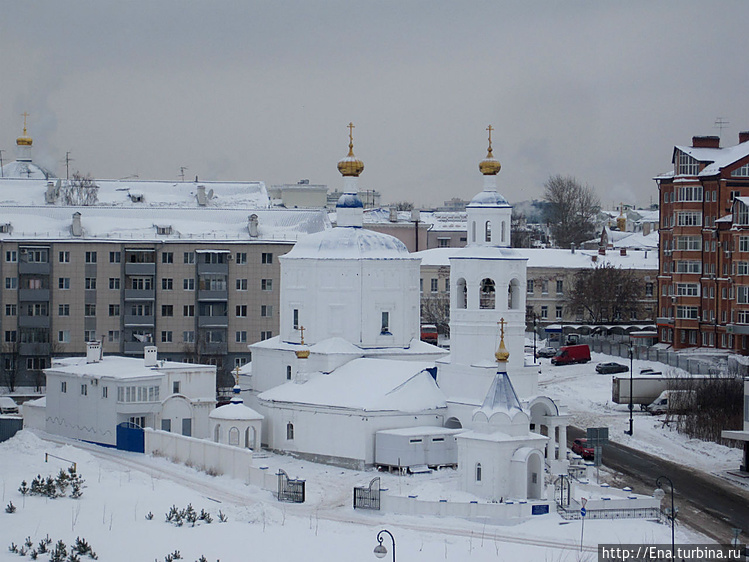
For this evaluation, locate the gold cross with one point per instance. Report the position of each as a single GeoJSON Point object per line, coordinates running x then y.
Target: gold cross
{"type": "Point", "coordinates": [490, 129]}
{"type": "Point", "coordinates": [501, 328]}
{"type": "Point", "coordinates": [25, 115]}
{"type": "Point", "coordinates": [350, 132]}
{"type": "Point", "coordinates": [236, 375]}
{"type": "Point", "coordinates": [301, 329]}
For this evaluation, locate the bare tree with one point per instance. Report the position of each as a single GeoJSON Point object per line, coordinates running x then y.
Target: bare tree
{"type": "Point", "coordinates": [79, 190]}
{"type": "Point", "coordinates": [571, 211]}
{"type": "Point", "coordinates": [607, 294]}
{"type": "Point", "coordinates": [402, 206]}
{"type": "Point", "coordinates": [10, 358]}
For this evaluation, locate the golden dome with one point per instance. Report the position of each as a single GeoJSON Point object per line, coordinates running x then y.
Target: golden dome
{"type": "Point", "coordinates": [24, 140]}
{"type": "Point", "coordinates": [350, 166]}
{"type": "Point", "coordinates": [302, 354]}
{"type": "Point", "coordinates": [502, 354]}
{"type": "Point", "coordinates": [490, 166]}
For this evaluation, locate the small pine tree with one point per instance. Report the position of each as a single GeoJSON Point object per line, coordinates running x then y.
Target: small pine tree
{"type": "Point", "coordinates": [190, 515]}
{"type": "Point", "coordinates": [10, 508]}
{"type": "Point", "coordinates": [221, 517]}
{"type": "Point", "coordinates": [13, 547]}
{"type": "Point", "coordinates": [59, 553]}
{"type": "Point", "coordinates": [205, 516]}
{"type": "Point", "coordinates": [28, 542]}
{"type": "Point", "coordinates": [24, 488]}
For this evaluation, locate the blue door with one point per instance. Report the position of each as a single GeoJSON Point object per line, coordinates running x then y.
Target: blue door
{"type": "Point", "coordinates": [130, 438]}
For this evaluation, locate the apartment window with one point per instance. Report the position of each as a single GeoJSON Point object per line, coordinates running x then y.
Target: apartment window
{"type": "Point", "coordinates": [188, 284]}
{"type": "Point", "coordinates": [560, 286]}
{"type": "Point", "coordinates": [421, 285]}
{"type": "Point", "coordinates": [266, 311]}
{"type": "Point", "coordinates": [140, 309]}
{"type": "Point", "coordinates": [167, 310]}
{"type": "Point", "coordinates": [648, 289]}
{"type": "Point", "coordinates": [63, 310]}
{"type": "Point", "coordinates": [63, 336]}
{"type": "Point", "coordinates": [742, 268]}
{"type": "Point", "coordinates": [84, 390]}
{"type": "Point", "coordinates": [241, 311]}
{"type": "Point", "coordinates": [241, 284]}
{"type": "Point", "coordinates": [36, 256]}
{"type": "Point", "coordinates": [433, 285]}
{"type": "Point", "coordinates": [10, 336]}
{"type": "Point", "coordinates": [90, 257]}
{"type": "Point", "coordinates": [743, 243]}
{"type": "Point", "coordinates": [188, 336]}
{"type": "Point", "coordinates": [529, 286]}
{"type": "Point", "coordinates": [11, 256]}
{"type": "Point", "coordinates": [267, 257]}
{"type": "Point", "coordinates": [141, 283]}
{"type": "Point", "coordinates": [687, 313]}
{"type": "Point", "coordinates": [89, 310]}
{"type": "Point", "coordinates": [688, 266]}
{"type": "Point", "coordinates": [63, 257]}
{"type": "Point", "coordinates": [544, 312]}
{"type": "Point", "coordinates": [687, 289]}
{"type": "Point", "coordinates": [689, 193]}
{"type": "Point", "coordinates": [167, 284]}
{"type": "Point", "coordinates": [63, 283]}
{"type": "Point", "coordinates": [114, 283]}
{"type": "Point", "coordinates": [215, 336]}
{"type": "Point", "coordinates": [241, 337]}
{"type": "Point", "coordinates": [175, 387]}
{"type": "Point", "coordinates": [63, 386]}
{"type": "Point", "coordinates": [166, 336]}
{"type": "Point", "coordinates": [90, 283]}
{"type": "Point", "coordinates": [266, 335]}
{"type": "Point", "coordinates": [742, 294]}
{"type": "Point", "coordinates": [11, 310]}
{"type": "Point", "coordinates": [689, 218]}
{"type": "Point", "coordinates": [89, 335]}
{"type": "Point", "coordinates": [189, 257]}
{"type": "Point", "coordinates": [241, 258]}
{"type": "Point", "coordinates": [104, 391]}
{"type": "Point", "coordinates": [115, 257]}
{"type": "Point", "coordinates": [544, 287]}
{"type": "Point", "coordinates": [188, 310]}
{"type": "Point", "coordinates": [447, 285]}
{"type": "Point", "coordinates": [114, 309]}
{"type": "Point", "coordinates": [295, 318]}
{"type": "Point", "coordinates": [385, 322]}
{"type": "Point", "coordinates": [443, 242]}
{"type": "Point", "coordinates": [558, 313]}
{"type": "Point", "coordinates": [167, 257]}
{"type": "Point", "coordinates": [113, 335]}
{"type": "Point", "coordinates": [686, 165]}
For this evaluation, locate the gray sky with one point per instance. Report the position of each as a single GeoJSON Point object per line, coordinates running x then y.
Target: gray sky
{"type": "Point", "coordinates": [240, 90]}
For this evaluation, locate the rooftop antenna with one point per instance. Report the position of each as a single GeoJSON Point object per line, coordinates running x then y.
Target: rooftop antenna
{"type": "Point", "coordinates": [2, 172]}
{"type": "Point", "coordinates": [182, 172]}
{"type": "Point", "coordinates": [68, 160]}
{"type": "Point", "coordinates": [721, 124]}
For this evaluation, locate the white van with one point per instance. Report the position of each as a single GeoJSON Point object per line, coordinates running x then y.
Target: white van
{"type": "Point", "coordinates": [670, 402]}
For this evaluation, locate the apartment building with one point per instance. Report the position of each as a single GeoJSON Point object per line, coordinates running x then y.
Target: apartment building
{"type": "Point", "coordinates": [704, 250]}
{"type": "Point", "coordinates": [192, 268]}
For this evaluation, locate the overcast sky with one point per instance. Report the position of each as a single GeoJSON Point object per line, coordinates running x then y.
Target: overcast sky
{"type": "Point", "coordinates": [241, 90]}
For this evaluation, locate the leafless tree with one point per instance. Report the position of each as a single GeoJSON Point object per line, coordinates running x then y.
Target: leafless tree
{"type": "Point", "coordinates": [9, 357]}
{"type": "Point", "coordinates": [710, 406]}
{"type": "Point", "coordinates": [79, 190]}
{"type": "Point", "coordinates": [606, 294]}
{"type": "Point", "coordinates": [571, 211]}
{"type": "Point", "coordinates": [402, 206]}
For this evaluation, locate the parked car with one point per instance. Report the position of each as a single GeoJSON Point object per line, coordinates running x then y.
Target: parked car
{"type": "Point", "coordinates": [429, 333]}
{"type": "Point", "coordinates": [649, 371]}
{"type": "Point", "coordinates": [8, 405]}
{"type": "Point", "coordinates": [546, 352]}
{"type": "Point", "coordinates": [608, 368]}
{"type": "Point", "coordinates": [569, 354]}
{"type": "Point", "coordinates": [580, 447]}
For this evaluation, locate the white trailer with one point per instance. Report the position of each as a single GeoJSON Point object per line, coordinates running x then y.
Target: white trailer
{"type": "Point", "coordinates": [646, 388]}
{"type": "Point", "coordinates": [416, 447]}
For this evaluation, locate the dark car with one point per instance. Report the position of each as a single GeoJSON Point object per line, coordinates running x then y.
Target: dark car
{"type": "Point", "coordinates": [607, 368]}
{"type": "Point", "coordinates": [580, 447]}
{"type": "Point", "coordinates": [546, 352]}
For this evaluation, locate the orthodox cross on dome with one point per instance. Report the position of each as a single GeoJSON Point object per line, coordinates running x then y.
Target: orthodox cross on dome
{"type": "Point", "coordinates": [490, 129]}
{"type": "Point", "coordinates": [25, 115]}
{"type": "Point", "coordinates": [236, 375]}
{"type": "Point", "coordinates": [501, 325]}
{"type": "Point", "coordinates": [502, 354]}
{"type": "Point", "coordinates": [351, 138]}
{"type": "Point", "coordinates": [301, 329]}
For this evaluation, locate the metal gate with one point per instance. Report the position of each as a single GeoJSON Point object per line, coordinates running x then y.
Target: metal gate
{"type": "Point", "coordinates": [369, 497]}
{"type": "Point", "coordinates": [289, 490]}
{"type": "Point", "coordinates": [130, 437]}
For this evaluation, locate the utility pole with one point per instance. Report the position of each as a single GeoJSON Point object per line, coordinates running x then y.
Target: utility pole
{"type": "Point", "coordinates": [68, 160]}
{"type": "Point", "coordinates": [2, 173]}
{"type": "Point", "coordinates": [182, 172]}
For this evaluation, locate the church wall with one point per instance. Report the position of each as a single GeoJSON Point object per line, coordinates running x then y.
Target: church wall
{"type": "Point", "coordinates": [494, 457]}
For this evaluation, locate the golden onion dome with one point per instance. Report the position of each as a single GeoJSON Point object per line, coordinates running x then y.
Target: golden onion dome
{"type": "Point", "coordinates": [302, 354]}
{"type": "Point", "coordinates": [24, 140]}
{"type": "Point", "coordinates": [490, 166]}
{"type": "Point", "coordinates": [350, 166]}
{"type": "Point", "coordinates": [502, 354]}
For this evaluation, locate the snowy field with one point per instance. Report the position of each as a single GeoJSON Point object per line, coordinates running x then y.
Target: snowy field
{"type": "Point", "coordinates": [122, 488]}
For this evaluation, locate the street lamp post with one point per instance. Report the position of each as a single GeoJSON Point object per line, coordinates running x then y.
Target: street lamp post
{"type": "Point", "coordinates": [631, 405]}
{"type": "Point", "coordinates": [660, 494]}
{"type": "Point", "coordinates": [535, 329]}
{"type": "Point", "coordinates": [380, 551]}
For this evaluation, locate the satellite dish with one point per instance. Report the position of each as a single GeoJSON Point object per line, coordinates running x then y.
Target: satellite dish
{"type": "Point", "coordinates": [210, 194]}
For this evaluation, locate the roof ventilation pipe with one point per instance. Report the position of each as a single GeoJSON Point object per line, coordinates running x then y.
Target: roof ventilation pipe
{"type": "Point", "coordinates": [202, 199]}
{"type": "Point", "coordinates": [252, 225]}
{"type": "Point", "coordinates": [76, 228]}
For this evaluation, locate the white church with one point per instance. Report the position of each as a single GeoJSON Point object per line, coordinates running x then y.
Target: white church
{"type": "Point", "coordinates": [348, 362]}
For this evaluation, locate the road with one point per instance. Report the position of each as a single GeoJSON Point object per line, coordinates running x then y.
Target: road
{"type": "Point", "coordinates": [707, 503]}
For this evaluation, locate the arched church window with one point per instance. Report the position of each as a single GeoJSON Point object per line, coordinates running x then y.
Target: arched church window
{"type": "Point", "coordinates": [488, 231]}
{"type": "Point", "coordinates": [461, 297]}
{"type": "Point", "coordinates": [478, 472]}
{"type": "Point", "coordinates": [513, 295]}
{"type": "Point", "coordinates": [473, 231]}
{"type": "Point", "coordinates": [289, 431]}
{"type": "Point", "coordinates": [502, 233]}
{"type": "Point", "coordinates": [217, 433]}
{"type": "Point", "coordinates": [487, 294]}
{"type": "Point", "coordinates": [234, 437]}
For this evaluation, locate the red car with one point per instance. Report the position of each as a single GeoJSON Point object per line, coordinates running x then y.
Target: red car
{"type": "Point", "coordinates": [580, 447]}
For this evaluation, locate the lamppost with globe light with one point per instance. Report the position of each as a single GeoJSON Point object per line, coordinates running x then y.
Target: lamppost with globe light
{"type": "Point", "coordinates": [631, 405]}
{"type": "Point", "coordinates": [380, 551]}
{"type": "Point", "coordinates": [659, 494]}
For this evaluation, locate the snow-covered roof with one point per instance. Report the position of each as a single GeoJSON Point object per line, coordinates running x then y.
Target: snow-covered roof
{"type": "Point", "coordinates": [718, 158]}
{"type": "Point", "coordinates": [339, 346]}
{"type": "Point", "coordinates": [366, 384]}
{"type": "Point", "coordinates": [349, 243]}
{"type": "Point", "coordinates": [133, 223]}
{"type": "Point", "coordinates": [235, 412]}
{"type": "Point", "coordinates": [19, 169]}
{"type": "Point", "coordinates": [488, 198]}
{"type": "Point", "coordinates": [501, 397]}
{"type": "Point", "coordinates": [637, 241]}
{"type": "Point", "coordinates": [117, 367]}
{"type": "Point", "coordinates": [554, 258]}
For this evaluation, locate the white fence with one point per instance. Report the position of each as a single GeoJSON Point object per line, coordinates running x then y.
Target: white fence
{"type": "Point", "coordinates": [496, 512]}
{"type": "Point", "coordinates": [210, 457]}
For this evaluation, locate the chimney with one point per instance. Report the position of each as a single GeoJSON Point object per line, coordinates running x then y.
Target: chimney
{"type": "Point", "coordinates": [572, 247]}
{"type": "Point", "coordinates": [743, 136]}
{"type": "Point", "coordinates": [706, 142]}
{"type": "Point", "coordinates": [202, 199]}
{"type": "Point", "coordinates": [415, 215]}
{"type": "Point", "coordinates": [393, 214]}
{"type": "Point", "coordinates": [252, 225]}
{"type": "Point", "coordinates": [150, 353]}
{"type": "Point", "coordinates": [51, 194]}
{"type": "Point", "coordinates": [622, 251]}
{"type": "Point", "coordinates": [93, 352]}
{"type": "Point", "coordinates": [77, 229]}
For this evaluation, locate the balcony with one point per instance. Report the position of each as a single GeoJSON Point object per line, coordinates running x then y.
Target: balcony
{"type": "Point", "coordinates": [140, 294]}
{"type": "Point", "coordinates": [213, 348]}
{"type": "Point", "coordinates": [204, 295]}
{"type": "Point", "coordinates": [132, 320]}
{"type": "Point", "coordinates": [34, 268]}
{"type": "Point", "coordinates": [213, 321]}
{"type": "Point", "coordinates": [33, 321]}
{"type": "Point", "coordinates": [134, 347]}
{"type": "Point", "coordinates": [33, 295]}
{"type": "Point", "coordinates": [140, 268]}
{"type": "Point", "coordinates": [215, 268]}
{"type": "Point", "coordinates": [34, 348]}
{"type": "Point", "coordinates": [738, 329]}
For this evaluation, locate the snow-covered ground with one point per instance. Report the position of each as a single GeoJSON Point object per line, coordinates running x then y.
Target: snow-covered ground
{"type": "Point", "coordinates": [122, 488]}
{"type": "Point", "coordinates": [588, 396]}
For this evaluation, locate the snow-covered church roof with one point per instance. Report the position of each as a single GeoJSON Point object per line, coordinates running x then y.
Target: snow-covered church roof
{"type": "Point", "coordinates": [349, 243]}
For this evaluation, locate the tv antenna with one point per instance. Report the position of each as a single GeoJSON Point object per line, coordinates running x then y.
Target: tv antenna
{"type": "Point", "coordinates": [182, 172]}
{"type": "Point", "coordinates": [68, 160]}
{"type": "Point", "coordinates": [2, 173]}
{"type": "Point", "coordinates": [721, 124]}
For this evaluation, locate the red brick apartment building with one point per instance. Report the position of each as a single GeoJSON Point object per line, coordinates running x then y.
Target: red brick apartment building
{"type": "Point", "coordinates": [704, 246]}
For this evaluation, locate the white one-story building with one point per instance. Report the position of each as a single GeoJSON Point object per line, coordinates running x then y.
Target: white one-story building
{"type": "Point", "coordinates": [88, 397]}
